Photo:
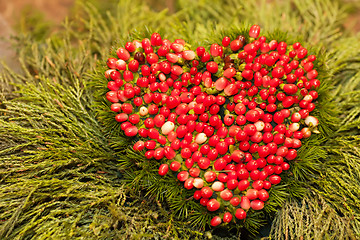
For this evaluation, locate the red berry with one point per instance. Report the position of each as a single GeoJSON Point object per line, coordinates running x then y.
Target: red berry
{"type": "Point", "coordinates": [235, 45]}
{"type": "Point", "coordinates": [245, 203]}
{"type": "Point", "coordinates": [226, 41]}
{"type": "Point", "coordinates": [227, 217]}
{"type": "Point", "coordinates": [254, 31]}
{"type": "Point", "coordinates": [177, 47]}
{"type": "Point", "coordinates": [243, 184]}
{"type": "Point", "coordinates": [215, 50]}
{"type": "Point", "coordinates": [209, 176]}
{"type": "Point", "coordinates": [131, 131]}
{"type": "Point", "coordinates": [226, 195]}
{"type": "Point", "coordinates": [215, 221]}
{"type": "Point", "coordinates": [121, 117]}
{"type": "Point", "coordinates": [139, 146]}
{"type": "Point", "coordinates": [206, 192]}
{"type": "Point", "coordinates": [134, 118]}
{"type": "Point", "coordinates": [133, 65]}
{"type": "Point", "coordinates": [149, 154]}
{"type": "Point", "coordinates": [163, 169]}
{"type": "Point", "coordinates": [240, 214]}
{"type": "Point", "coordinates": [175, 165]}
{"type": "Point", "coordinates": [274, 179]}
{"type": "Point", "coordinates": [229, 73]}
{"type": "Point", "coordinates": [302, 52]}
{"type": "Point", "coordinates": [257, 204]}
{"type": "Point", "coordinates": [123, 54]}
{"type": "Point", "coordinates": [188, 184]}
{"type": "Point", "coordinates": [252, 193]}
{"type": "Point", "coordinates": [213, 205]}
{"type": "Point", "coordinates": [235, 201]}
{"type": "Point", "coordinates": [312, 74]}
{"type": "Point", "coordinates": [182, 176]}
{"type": "Point", "coordinates": [232, 184]}
{"type": "Point", "coordinates": [212, 67]}
{"type": "Point", "coordinates": [130, 47]}
{"type": "Point", "coordinates": [250, 129]}
{"type": "Point", "coordinates": [278, 72]}
{"type": "Point", "coordinates": [200, 51]}
{"type": "Point", "coordinates": [252, 115]}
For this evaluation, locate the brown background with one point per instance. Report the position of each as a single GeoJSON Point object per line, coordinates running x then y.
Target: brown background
{"type": "Point", "coordinates": [55, 11]}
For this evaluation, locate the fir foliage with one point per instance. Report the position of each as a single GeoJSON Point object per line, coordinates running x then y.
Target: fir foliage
{"type": "Point", "coordinates": [66, 171]}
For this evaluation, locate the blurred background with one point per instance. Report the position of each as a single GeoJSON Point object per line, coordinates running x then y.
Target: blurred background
{"type": "Point", "coordinates": [14, 15]}
{"type": "Point", "coordinates": [43, 16]}
{"type": "Point", "coordinates": [20, 16]}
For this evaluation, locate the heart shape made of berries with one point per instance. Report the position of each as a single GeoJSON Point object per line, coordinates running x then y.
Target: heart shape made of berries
{"type": "Point", "coordinates": [226, 121]}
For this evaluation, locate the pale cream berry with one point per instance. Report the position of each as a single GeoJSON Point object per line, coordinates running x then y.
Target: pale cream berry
{"type": "Point", "coordinates": [198, 182]}
{"type": "Point", "coordinates": [143, 111]}
{"type": "Point", "coordinates": [311, 121]}
{"type": "Point", "coordinates": [217, 186]}
{"type": "Point", "coordinates": [259, 125]}
{"type": "Point", "coordinates": [167, 127]}
{"type": "Point", "coordinates": [200, 138]}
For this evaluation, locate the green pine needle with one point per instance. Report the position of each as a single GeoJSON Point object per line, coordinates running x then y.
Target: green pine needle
{"type": "Point", "coordinates": [66, 171]}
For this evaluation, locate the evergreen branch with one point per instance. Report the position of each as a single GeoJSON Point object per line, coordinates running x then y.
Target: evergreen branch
{"type": "Point", "coordinates": [59, 172]}
{"type": "Point", "coordinates": [312, 218]}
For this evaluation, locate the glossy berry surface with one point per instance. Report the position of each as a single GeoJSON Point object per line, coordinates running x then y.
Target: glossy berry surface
{"type": "Point", "coordinates": [226, 122]}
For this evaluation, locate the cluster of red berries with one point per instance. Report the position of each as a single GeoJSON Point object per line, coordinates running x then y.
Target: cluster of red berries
{"type": "Point", "coordinates": [227, 121]}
